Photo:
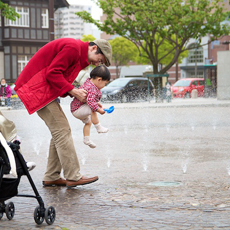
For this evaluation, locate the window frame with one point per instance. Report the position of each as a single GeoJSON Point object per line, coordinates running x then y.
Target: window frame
{"type": "Point", "coordinates": [45, 18]}
{"type": "Point", "coordinates": [22, 63]}
{"type": "Point", "coordinates": [23, 21]}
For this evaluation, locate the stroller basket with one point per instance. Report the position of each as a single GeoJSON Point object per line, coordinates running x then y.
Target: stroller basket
{"type": "Point", "coordinates": [9, 185]}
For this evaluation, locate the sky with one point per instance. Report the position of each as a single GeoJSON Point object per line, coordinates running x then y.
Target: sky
{"type": "Point", "coordinates": [96, 11]}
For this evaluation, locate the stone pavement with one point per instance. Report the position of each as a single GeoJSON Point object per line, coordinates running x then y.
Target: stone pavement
{"type": "Point", "coordinates": [161, 166]}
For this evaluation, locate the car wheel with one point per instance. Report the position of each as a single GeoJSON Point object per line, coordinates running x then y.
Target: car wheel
{"type": "Point", "coordinates": [124, 98]}
{"type": "Point", "coordinates": [187, 95]}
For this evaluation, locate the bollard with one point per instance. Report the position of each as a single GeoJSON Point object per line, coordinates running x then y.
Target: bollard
{"type": "Point", "coordinates": [168, 92]}
{"type": "Point", "coordinates": [194, 93]}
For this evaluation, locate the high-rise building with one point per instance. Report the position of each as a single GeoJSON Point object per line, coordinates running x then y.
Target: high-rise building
{"type": "Point", "coordinates": [68, 24]}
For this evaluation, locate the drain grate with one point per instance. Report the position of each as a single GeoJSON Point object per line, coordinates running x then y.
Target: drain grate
{"type": "Point", "coordinates": [165, 183]}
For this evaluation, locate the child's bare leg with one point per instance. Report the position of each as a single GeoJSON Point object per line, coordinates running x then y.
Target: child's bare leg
{"type": "Point", "coordinates": [94, 118]}
{"type": "Point", "coordinates": [86, 129]}
{"type": "Point", "coordinates": [98, 126]}
{"type": "Point", "coordinates": [86, 133]}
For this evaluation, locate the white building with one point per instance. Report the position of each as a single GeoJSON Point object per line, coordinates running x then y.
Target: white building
{"type": "Point", "coordinates": [68, 24]}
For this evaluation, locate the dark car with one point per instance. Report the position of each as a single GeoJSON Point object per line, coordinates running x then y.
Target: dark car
{"type": "Point", "coordinates": [128, 89]}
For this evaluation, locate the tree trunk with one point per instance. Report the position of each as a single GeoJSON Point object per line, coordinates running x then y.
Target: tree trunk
{"type": "Point", "coordinates": [117, 71]}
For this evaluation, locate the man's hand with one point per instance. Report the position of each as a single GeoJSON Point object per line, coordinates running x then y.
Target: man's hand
{"type": "Point", "coordinates": [80, 94]}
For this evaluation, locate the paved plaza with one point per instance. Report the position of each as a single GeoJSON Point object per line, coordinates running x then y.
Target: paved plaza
{"type": "Point", "coordinates": [160, 166]}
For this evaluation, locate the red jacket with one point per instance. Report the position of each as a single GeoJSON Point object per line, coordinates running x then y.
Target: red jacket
{"type": "Point", "coordinates": [51, 72]}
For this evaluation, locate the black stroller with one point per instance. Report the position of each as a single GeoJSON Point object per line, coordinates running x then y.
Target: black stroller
{"type": "Point", "coordinates": [9, 183]}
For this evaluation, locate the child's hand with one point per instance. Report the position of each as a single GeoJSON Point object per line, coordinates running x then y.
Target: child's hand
{"type": "Point", "coordinates": [101, 111]}
{"type": "Point", "coordinates": [100, 105]}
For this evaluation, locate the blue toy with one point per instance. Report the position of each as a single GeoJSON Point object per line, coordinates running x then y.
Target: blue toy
{"type": "Point", "coordinates": [109, 110]}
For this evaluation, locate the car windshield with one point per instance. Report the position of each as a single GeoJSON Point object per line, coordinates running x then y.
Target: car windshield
{"type": "Point", "coordinates": [118, 82]}
{"type": "Point", "coordinates": [182, 83]}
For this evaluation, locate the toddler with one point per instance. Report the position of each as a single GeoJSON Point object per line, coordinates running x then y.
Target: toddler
{"type": "Point", "coordinates": [87, 112]}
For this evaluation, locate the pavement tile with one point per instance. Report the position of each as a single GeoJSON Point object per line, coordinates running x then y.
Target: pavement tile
{"type": "Point", "coordinates": [137, 151]}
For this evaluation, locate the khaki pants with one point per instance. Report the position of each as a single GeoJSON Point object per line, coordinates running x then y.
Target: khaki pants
{"type": "Point", "coordinates": [62, 154]}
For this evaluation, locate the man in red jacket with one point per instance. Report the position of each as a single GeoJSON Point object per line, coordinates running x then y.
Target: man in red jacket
{"type": "Point", "coordinates": [48, 75]}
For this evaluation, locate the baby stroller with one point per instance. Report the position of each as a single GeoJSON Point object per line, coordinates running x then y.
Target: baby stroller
{"type": "Point", "coordinates": [12, 167]}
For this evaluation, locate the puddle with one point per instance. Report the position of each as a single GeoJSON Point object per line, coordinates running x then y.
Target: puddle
{"type": "Point", "coordinates": [165, 183]}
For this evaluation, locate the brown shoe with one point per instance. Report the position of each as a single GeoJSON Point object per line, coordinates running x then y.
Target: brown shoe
{"type": "Point", "coordinates": [59, 182]}
{"type": "Point", "coordinates": [84, 180]}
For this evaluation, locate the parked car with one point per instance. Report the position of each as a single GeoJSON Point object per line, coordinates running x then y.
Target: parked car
{"type": "Point", "coordinates": [184, 87]}
{"type": "Point", "coordinates": [128, 89]}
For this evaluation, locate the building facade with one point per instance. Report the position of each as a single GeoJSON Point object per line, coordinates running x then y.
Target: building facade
{"type": "Point", "coordinates": [21, 39]}
{"type": "Point", "coordinates": [68, 24]}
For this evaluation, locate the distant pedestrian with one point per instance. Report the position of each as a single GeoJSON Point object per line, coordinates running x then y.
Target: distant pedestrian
{"type": "Point", "coordinates": [5, 93]}
{"type": "Point", "coordinates": [87, 112]}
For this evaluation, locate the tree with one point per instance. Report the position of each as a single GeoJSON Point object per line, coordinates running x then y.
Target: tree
{"type": "Point", "coordinates": [88, 38]}
{"type": "Point", "coordinates": [163, 50]}
{"type": "Point", "coordinates": [124, 51]}
{"type": "Point", "coordinates": [150, 24]}
{"type": "Point", "coordinates": [8, 11]}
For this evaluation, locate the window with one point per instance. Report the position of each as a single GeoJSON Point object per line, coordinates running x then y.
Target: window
{"type": "Point", "coordinates": [199, 74]}
{"type": "Point", "coordinates": [195, 54]}
{"type": "Point", "coordinates": [145, 83]}
{"type": "Point", "coordinates": [201, 82]}
{"type": "Point", "coordinates": [194, 83]}
{"type": "Point", "coordinates": [45, 17]}
{"type": "Point", "coordinates": [22, 61]}
{"type": "Point", "coordinates": [22, 21]}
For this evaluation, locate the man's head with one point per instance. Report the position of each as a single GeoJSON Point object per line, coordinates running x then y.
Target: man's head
{"type": "Point", "coordinates": [100, 52]}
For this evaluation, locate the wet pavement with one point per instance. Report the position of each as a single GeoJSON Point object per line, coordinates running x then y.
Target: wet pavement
{"type": "Point", "coordinates": [161, 166]}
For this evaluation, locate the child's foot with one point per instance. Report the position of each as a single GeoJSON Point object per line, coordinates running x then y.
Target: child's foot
{"type": "Point", "coordinates": [88, 142]}
{"type": "Point", "coordinates": [101, 129]}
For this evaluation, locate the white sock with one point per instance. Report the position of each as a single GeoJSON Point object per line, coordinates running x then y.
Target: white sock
{"type": "Point", "coordinates": [100, 128]}
{"type": "Point", "coordinates": [88, 142]}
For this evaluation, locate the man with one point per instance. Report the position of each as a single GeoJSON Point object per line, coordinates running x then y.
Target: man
{"type": "Point", "coordinates": [48, 75]}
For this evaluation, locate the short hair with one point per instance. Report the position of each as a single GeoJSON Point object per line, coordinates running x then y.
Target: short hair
{"type": "Point", "coordinates": [98, 49]}
{"type": "Point", "coordinates": [100, 71]}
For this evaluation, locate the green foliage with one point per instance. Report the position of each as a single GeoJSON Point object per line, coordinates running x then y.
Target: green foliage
{"type": "Point", "coordinates": [8, 11]}
{"type": "Point", "coordinates": [88, 38]}
{"type": "Point", "coordinates": [165, 56]}
{"type": "Point", "coordinates": [161, 28]}
{"type": "Point", "coordinates": [124, 51]}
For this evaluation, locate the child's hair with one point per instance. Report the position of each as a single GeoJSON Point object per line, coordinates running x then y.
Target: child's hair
{"type": "Point", "coordinates": [100, 71]}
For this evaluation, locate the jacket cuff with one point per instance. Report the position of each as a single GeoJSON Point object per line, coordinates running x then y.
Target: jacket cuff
{"type": "Point", "coordinates": [64, 91]}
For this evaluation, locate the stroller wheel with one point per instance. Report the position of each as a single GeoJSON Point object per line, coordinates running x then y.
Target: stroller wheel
{"type": "Point", "coordinates": [38, 215]}
{"type": "Point", "coordinates": [10, 210]}
{"type": "Point", "coordinates": [50, 215]}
